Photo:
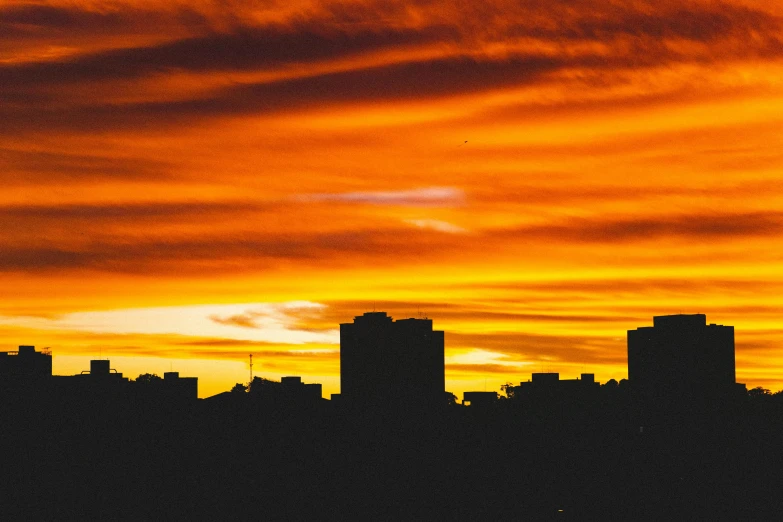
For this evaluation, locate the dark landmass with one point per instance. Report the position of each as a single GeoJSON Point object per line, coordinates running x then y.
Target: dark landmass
{"type": "Point", "coordinates": [241, 457]}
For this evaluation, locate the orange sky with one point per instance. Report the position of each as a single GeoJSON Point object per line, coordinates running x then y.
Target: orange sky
{"type": "Point", "coordinates": [185, 183]}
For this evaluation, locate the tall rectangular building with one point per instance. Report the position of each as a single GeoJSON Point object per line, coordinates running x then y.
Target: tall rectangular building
{"type": "Point", "coordinates": [682, 355]}
{"type": "Point", "coordinates": [391, 362]}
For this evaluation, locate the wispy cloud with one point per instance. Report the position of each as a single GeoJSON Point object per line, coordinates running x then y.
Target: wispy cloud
{"type": "Point", "coordinates": [479, 52]}
{"type": "Point", "coordinates": [261, 322]}
{"type": "Point", "coordinates": [705, 227]}
{"type": "Point", "coordinates": [435, 224]}
{"type": "Point", "coordinates": [480, 357]}
{"type": "Point", "coordinates": [241, 252]}
{"type": "Point", "coordinates": [425, 197]}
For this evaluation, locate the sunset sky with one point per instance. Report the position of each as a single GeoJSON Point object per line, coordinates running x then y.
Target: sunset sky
{"type": "Point", "coordinates": [189, 182]}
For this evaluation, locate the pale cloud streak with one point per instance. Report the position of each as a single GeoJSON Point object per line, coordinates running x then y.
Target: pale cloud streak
{"type": "Point", "coordinates": [270, 322]}
{"type": "Point", "coordinates": [419, 197]}
{"type": "Point", "coordinates": [481, 357]}
{"type": "Point", "coordinates": [437, 225]}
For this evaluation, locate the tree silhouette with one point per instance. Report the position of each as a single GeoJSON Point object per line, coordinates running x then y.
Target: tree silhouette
{"type": "Point", "coordinates": [759, 393]}
{"type": "Point", "coordinates": [509, 389]}
{"type": "Point", "coordinates": [239, 388]}
{"type": "Point", "coordinates": [267, 388]}
{"type": "Point", "coordinates": [148, 379]}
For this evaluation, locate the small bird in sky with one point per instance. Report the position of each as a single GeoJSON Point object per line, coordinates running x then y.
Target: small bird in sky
{"type": "Point", "coordinates": [463, 143]}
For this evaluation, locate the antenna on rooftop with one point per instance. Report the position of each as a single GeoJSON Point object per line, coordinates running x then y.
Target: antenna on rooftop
{"type": "Point", "coordinates": [251, 367]}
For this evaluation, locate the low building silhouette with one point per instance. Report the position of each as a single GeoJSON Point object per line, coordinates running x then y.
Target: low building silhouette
{"type": "Point", "coordinates": [387, 362]}
{"type": "Point", "coordinates": [100, 383]}
{"type": "Point", "coordinates": [176, 388]}
{"type": "Point", "coordinates": [549, 386]}
{"type": "Point", "coordinates": [479, 399]}
{"type": "Point", "coordinates": [101, 371]}
{"type": "Point", "coordinates": [27, 374]}
{"type": "Point", "coordinates": [26, 363]}
{"type": "Point", "coordinates": [171, 388]}
{"type": "Point", "coordinates": [294, 387]}
{"type": "Point", "coordinates": [288, 392]}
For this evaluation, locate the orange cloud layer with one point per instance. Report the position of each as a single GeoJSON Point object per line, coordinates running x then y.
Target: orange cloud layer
{"type": "Point", "coordinates": [537, 177]}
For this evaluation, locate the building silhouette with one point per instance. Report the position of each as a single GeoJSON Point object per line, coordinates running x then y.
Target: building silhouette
{"type": "Point", "coordinates": [25, 364]}
{"type": "Point", "coordinates": [552, 381]}
{"type": "Point", "coordinates": [289, 394]}
{"type": "Point", "coordinates": [383, 361]}
{"type": "Point", "coordinates": [101, 383]}
{"type": "Point", "coordinates": [294, 387]}
{"type": "Point", "coordinates": [101, 370]}
{"type": "Point", "coordinates": [548, 387]}
{"type": "Point", "coordinates": [479, 399]}
{"type": "Point", "coordinates": [681, 356]}
{"type": "Point", "coordinates": [176, 388]}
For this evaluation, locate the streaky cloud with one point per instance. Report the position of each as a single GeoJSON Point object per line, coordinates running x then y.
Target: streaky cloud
{"type": "Point", "coordinates": [436, 224]}
{"type": "Point", "coordinates": [427, 196]}
{"type": "Point", "coordinates": [48, 167]}
{"type": "Point", "coordinates": [707, 227]}
{"type": "Point", "coordinates": [271, 324]}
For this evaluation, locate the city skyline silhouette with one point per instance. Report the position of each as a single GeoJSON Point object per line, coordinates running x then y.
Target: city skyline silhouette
{"type": "Point", "coordinates": [383, 361]}
{"type": "Point", "coordinates": [687, 364]}
{"type": "Point", "coordinates": [390, 260]}
{"type": "Point", "coordinates": [679, 438]}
